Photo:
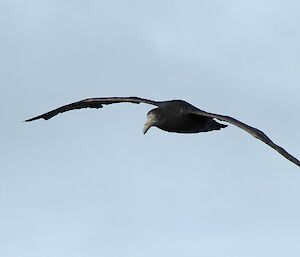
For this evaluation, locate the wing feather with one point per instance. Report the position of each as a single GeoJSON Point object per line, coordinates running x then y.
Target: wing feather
{"type": "Point", "coordinates": [251, 130]}
{"type": "Point", "coordinates": [93, 103]}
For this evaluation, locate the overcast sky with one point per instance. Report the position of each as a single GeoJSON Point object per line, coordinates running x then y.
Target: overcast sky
{"type": "Point", "coordinates": [89, 183]}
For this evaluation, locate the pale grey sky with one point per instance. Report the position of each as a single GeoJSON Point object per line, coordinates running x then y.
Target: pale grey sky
{"type": "Point", "coordinates": [89, 183]}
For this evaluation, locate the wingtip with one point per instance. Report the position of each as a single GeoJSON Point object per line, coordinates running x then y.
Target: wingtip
{"type": "Point", "coordinates": [28, 120]}
{"type": "Point", "coordinates": [34, 118]}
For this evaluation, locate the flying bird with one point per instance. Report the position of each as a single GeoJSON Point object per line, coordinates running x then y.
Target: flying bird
{"type": "Point", "coordinates": [172, 116]}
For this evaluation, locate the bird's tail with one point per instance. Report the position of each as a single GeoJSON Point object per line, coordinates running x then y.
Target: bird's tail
{"type": "Point", "coordinates": [213, 125]}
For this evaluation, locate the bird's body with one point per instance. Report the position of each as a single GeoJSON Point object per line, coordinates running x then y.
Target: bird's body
{"type": "Point", "coordinates": [173, 116]}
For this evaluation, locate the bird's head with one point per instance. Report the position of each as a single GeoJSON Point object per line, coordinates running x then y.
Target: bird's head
{"type": "Point", "coordinates": [153, 118]}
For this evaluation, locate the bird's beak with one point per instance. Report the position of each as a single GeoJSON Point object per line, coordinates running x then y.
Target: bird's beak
{"type": "Point", "coordinates": [149, 123]}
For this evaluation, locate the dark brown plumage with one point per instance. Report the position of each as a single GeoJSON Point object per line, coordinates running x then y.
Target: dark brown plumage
{"type": "Point", "coordinates": [173, 116]}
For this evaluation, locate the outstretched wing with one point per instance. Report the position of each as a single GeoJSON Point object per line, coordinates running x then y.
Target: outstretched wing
{"type": "Point", "coordinates": [253, 131]}
{"type": "Point", "coordinates": [93, 103]}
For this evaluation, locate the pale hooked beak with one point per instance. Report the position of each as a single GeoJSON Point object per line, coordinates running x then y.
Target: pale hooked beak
{"type": "Point", "coordinates": [149, 123]}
